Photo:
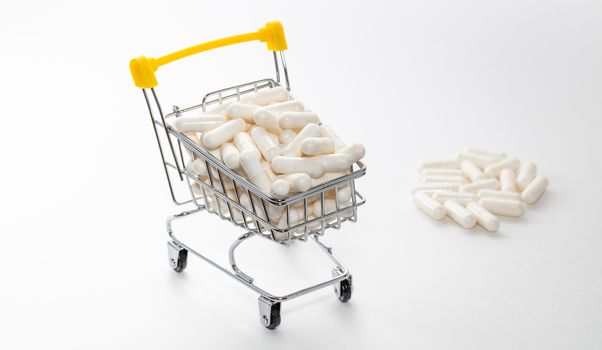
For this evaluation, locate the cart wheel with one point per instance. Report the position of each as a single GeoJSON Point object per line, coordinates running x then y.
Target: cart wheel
{"type": "Point", "coordinates": [269, 313]}
{"type": "Point", "coordinates": [178, 256]}
{"type": "Point", "coordinates": [344, 288]}
{"type": "Point", "coordinates": [345, 291]}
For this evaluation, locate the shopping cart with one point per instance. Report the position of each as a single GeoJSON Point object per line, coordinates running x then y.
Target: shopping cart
{"type": "Point", "coordinates": [232, 197]}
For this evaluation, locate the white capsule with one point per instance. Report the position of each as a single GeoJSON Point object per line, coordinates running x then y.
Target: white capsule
{"type": "Point", "coordinates": [472, 171]}
{"type": "Point", "coordinates": [461, 197]}
{"type": "Point", "coordinates": [535, 190]}
{"type": "Point", "coordinates": [195, 138]}
{"type": "Point", "coordinates": [478, 160]}
{"type": "Point", "coordinates": [223, 133]}
{"type": "Point", "coordinates": [333, 162]}
{"type": "Point", "coordinates": [459, 214]}
{"type": "Point", "coordinates": [280, 188]}
{"type": "Point", "coordinates": [444, 172]}
{"type": "Point", "coordinates": [219, 109]}
{"type": "Point", "coordinates": [355, 152]}
{"type": "Point", "coordinates": [255, 171]}
{"type": "Point", "coordinates": [441, 164]}
{"type": "Point", "coordinates": [266, 96]}
{"type": "Point", "coordinates": [199, 123]}
{"type": "Point", "coordinates": [293, 149]}
{"type": "Point", "coordinates": [314, 146]}
{"type": "Point", "coordinates": [290, 219]}
{"type": "Point", "coordinates": [286, 136]}
{"type": "Point", "coordinates": [491, 184]}
{"type": "Point", "coordinates": [242, 111]}
{"type": "Point", "coordinates": [444, 178]}
{"type": "Point", "coordinates": [297, 120]}
{"type": "Point", "coordinates": [343, 193]}
{"type": "Point", "coordinates": [525, 175]}
{"type": "Point", "coordinates": [298, 182]}
{"type": "Point", "coordinates": [265, 143]}
{"type": "Point", "coordinates": [493, 170]}
{"type": "Point", "coordinates": [429, 205]}
{"type": "Point", "coordinates": [440, 186]}
{"type": "Point", "coordinates": [289, 165]}
{"type": "Point", "coordinates": [484, 217]}
{"type": "Point", "coordinates": [485, 193]}
{"type": "Point", "coordinates": [230, 155]}
{"type": "Point", "coordinates": [506, 207]}
{"type": "Point", "coordinates": [244, 142]}
{"type": "Point", "coordinates": [197, 167]}
{"type": "Point", "coordinates": [268, 169]}
{"type": "Point", "coordinates": [326, 131]}
{"type": "Point", "coordinates": [481, 152]}
{"type": "Point", "coordinates": [279, 108]}
{"type": "Point", "coordinates": [507, 180]}
{"type": "Point", "coordinates": [326, 177]}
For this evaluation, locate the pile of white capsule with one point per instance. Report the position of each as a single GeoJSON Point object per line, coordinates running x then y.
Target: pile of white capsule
{"type": "Point", "coordinates": [477, 186]}
{"type": "Point", "coordinates": [276, 143]}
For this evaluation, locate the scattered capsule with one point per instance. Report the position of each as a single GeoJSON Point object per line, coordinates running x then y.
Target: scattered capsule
{"type": "Point", "coordinates": [535, 190]}
{"type": "Point", "coordinates": [459, 214]}
{"type": "Point", "coordinates": [223, 133]}
{"type": "Point", "coordinates": [493, 170]}
{"type": "Point", "coordinates": [265, 143]}
{"type": "Point", "coordinates": [429, 205]}
{"type": "Point", "coordinates": [526, 174]}
{"type": "Point", "coordinates": [461, 197]}
{"type": "Point", "coordinates": [506, 207]}
{"type": "Point", "coordinates": [484, 217]}
{"type": "Point", "coordinates": [507, 180]}
{"type": "Point", "coordinates": [491, 184]}
{"type": "Point", "coordinates": [472, 171]}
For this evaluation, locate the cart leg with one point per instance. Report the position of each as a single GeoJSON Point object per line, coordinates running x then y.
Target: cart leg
{"type": "Point", "coordinates": [269, 313]}
{"type": "Point", "coordinates": [177, 255]}
{"type": "Point", "coordinates": [344, 287]}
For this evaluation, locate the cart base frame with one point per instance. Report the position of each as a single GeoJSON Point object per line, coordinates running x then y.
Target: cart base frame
{"type": "Point", "coordinates": [269, 304]}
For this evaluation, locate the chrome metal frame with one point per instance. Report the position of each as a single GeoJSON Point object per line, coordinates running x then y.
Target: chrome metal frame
{"type": "Point", "coordinates": [221, 191]}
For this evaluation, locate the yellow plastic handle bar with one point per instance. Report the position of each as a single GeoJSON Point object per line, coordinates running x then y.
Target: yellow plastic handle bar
{"type": "Point", "coordinates": [143, 68]}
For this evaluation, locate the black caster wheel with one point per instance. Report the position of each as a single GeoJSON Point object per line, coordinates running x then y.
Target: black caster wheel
{"type": "Point", "coordinates": [269, 313]}
{"type": "Point", "coordinates": [178, 256]}
{"type": "Point", "coordinates": [344, 288]}
{"type": "Point", "coordinates": [344, 293]}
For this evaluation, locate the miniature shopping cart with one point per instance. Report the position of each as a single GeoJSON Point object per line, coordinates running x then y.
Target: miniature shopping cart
{"type": "Point", "coordinates": [232, 197]}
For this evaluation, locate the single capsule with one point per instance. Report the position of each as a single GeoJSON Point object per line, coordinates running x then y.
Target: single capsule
{"type": "Point", "coordinates": [443, 178]}
{"type": "Point", "coordinates": [498, 194]}
{"type": "Point", "coordinates": [223, 133]}
{"type": "Point", "coordinates": [493, 170]}
{"type": "Point", "coordinates": [288, 165]}
{"type": "Point", "coordinates": [297, 120]}
{"type": "Point", "coordinates": [333, 162]}
{"type": "Point", "coordinates": [459, 214]}
{"type": "Point", "coordinates": [472, 171]}
{"type": "Point", "coordinates": [265, 143]}
{"type": "Point", "coordinates": [314, 146]}
{"type": "Point", "coordinates": [506, 207]}
{"type": "Point", "coordinates": [280, 188]}
{"type": "Point", "coordinates": [255, 171]}
{"type": "Point", "coordinates": [242, 111]}
{"type": "Point", "coordinates": [481, 152]}
{"type": "Point", "coordinates": [507, 180]}
{"type": "Point", "coordinates": [199, 123]}
{"type": "Point", "coordinates": [535, 190]}
{"type": "Point", "coordinates": [230, 155]}
{"type": "Point", "coordinates": [491, 184]}
{"type": "Point", "coordinates": [429, 205]}
{"type": "Point", "coordinates": [440, 186]}
{"type": "Point", "coordinates": [461, 197]}
{"type": "Point", "coordinates": [293, 149]}
{"type": "Point", "coordinates": [244, 142]}
{"type": "Point", "coordinates": [266, 96]}
{"type": "Point", "coordinates": [326, 131]}
{"type": "Point", "coordinates": [526, 174]}
{"type": "Point", "coordinates": [441, 164]}
{"type": "Point", "coordinates": [286, 136]}
{"type": "Point", "coordinates": [478, 160]}
{"type": "Point", "coordinates": [443, 172]}
{"type": "Point", "coordinates": [355, 152]}
{"type": "Point", "coordinates": [484, 217]}
{"type": "Point", "coordinates": [267, 120]}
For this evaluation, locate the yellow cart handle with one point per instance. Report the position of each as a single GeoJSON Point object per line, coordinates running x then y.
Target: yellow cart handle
{"type": "Point", "coordinates": [143, 69]}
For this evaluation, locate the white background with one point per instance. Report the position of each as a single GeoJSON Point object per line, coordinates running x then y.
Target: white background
{"type": "Point", "coordinates": [83, 260]}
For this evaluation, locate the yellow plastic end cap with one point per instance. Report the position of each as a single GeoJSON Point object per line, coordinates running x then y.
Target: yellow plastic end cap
{"type": "Point", "coordinates": [273, 35]}
{"type": "Point", "coordinates": [143, 72]}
